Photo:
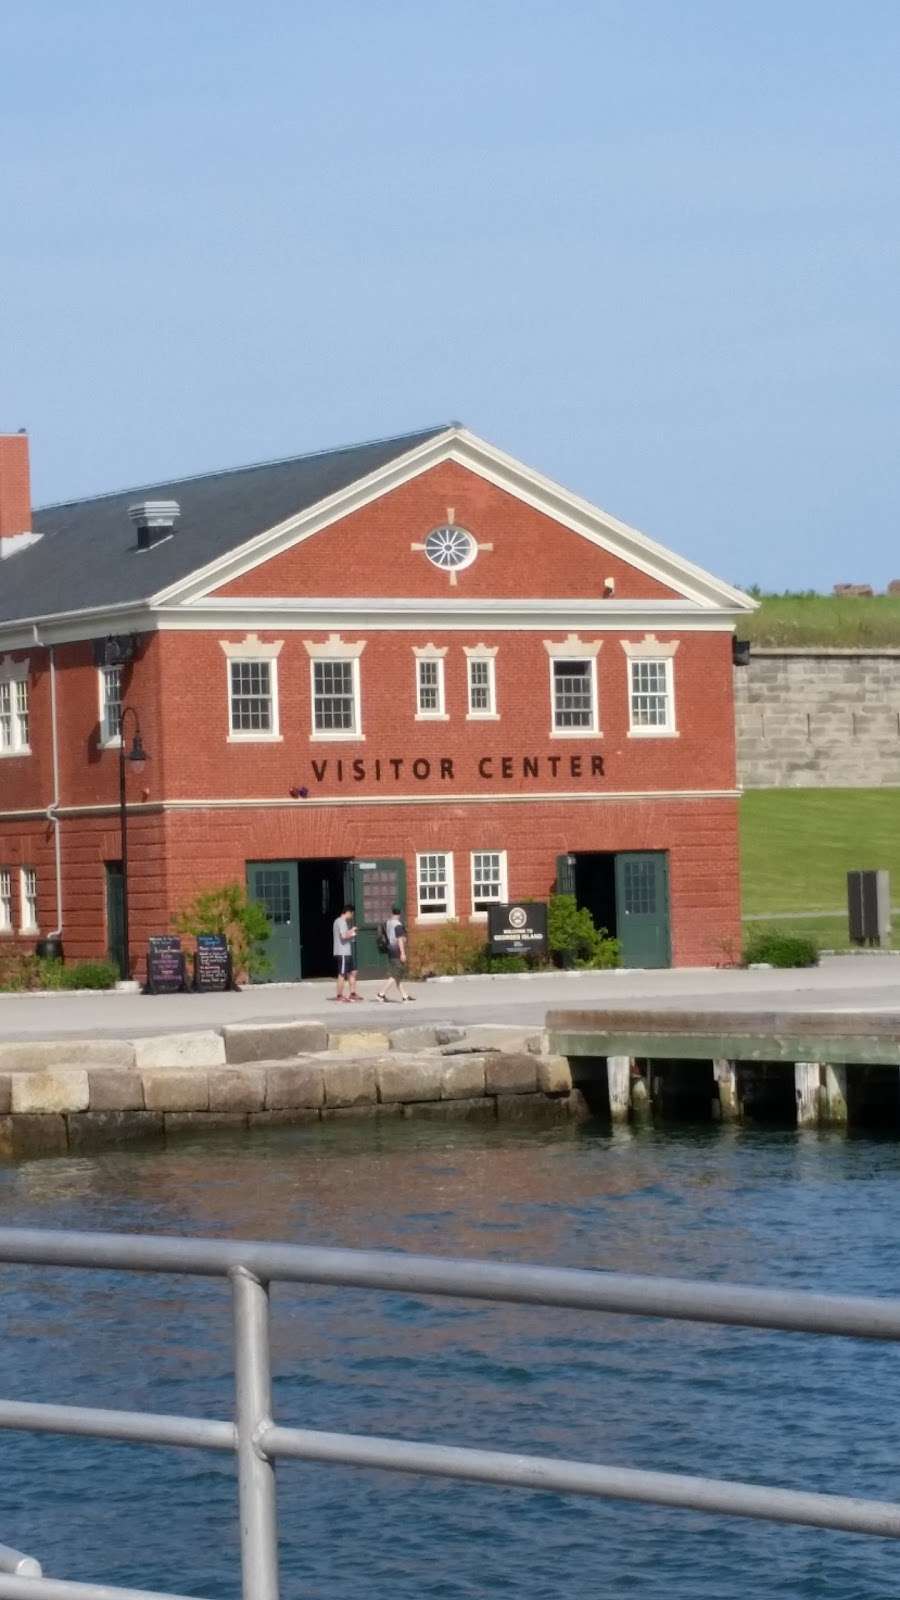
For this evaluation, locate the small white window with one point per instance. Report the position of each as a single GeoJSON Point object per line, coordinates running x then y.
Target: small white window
{"type": "Point", "coordinates": [488, 879]}
{"type": "Point", "coordinates": [335, 694]}
{"type": "Point", "coordinates": [430, 686]}
{"type": "Point", "coordinates": [482, 687]}
{"type": "Point", "coordinates": [574, 695]}
{"type": "Point", "coordinates": [110, 705]}
{"type": "Point", "coordinates": [651, 706]}
{"type": "Point", "coordinates": [28, 886]}
{"type": "Point", "coordinates": [14, 717]}
{"type": "Point", "coordinates": [6, 910]}
{"type": "Point", "coordinates": [252, 705]}
{"type": "Point", "coordinates": [435, 884]}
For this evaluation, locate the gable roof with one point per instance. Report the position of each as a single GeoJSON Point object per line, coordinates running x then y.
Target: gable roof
{"type": "Point", "coordinates": [88, 558]}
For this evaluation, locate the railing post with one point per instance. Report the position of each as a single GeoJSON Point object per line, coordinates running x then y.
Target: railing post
{"type": "Point", "coordinates": [256, 1473]}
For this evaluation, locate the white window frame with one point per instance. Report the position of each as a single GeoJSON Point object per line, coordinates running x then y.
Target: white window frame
{"type": "Point", "coordinates": [430, 917]}
{"type": "Point", "coordinates": [252, 649]}
{"type": "Point", "coordinates": [7, 923]}
{"type": "Point", "coordinates": [574, 649]}
{"type": "Point", "coordinates": [26, 900]}
{"type": "Point", "coordinates": [435, 656]}
{"type": "Point", "coordinates": [335, 648]}
{"type": "Point", "coordinates": [651, 649]}
{"type": "Point", "coordinates": [486, 656]}
{"type": "Point", "coordinates": [113, 740]}
{"type": "Point", "coordinates": [14, 686]}
{"type": "Point", "coordinates": [498, 900]}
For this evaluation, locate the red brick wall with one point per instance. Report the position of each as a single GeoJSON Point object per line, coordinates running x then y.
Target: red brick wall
{"type": "Point", "coordinates": [368, 553]}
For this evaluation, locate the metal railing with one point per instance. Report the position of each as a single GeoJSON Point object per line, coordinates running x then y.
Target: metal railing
{"type": "Point", "coordinates": [258, 1441]}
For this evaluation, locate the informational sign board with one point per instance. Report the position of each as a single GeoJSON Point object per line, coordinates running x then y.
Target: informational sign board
{"type": "Point", "coordinates": [519, 929]}
{"type": "Point", "coordinates": [165, 964]}
{"type": "Point", "coordinates": [212, 963]}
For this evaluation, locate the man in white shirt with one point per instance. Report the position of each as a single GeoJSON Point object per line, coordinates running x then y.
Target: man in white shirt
{"type": "Point", "coordinates": [345, 955]}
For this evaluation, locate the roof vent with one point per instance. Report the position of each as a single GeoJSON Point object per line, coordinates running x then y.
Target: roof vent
{"type": "Point", "coordinates": [155, 520]}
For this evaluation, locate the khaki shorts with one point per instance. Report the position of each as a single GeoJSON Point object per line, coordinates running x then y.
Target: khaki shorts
{"type": "Point", "coordinates": [396, 968]}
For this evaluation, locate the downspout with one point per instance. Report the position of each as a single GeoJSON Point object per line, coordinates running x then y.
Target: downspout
{"type": "Point", "coordinates": [52, 812]}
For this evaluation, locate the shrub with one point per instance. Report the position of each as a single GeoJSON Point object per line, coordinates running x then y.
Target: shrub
{"type": "Point", "coordinates": [21, 971]}
{"type": "Point", "coordinates": [449, 950]}
{"type": "Point", "coordinates": [89, 975]}
{"type": "Point", "coordinates": [510, 963]}
{"type": "Point", "coordinates": [571, 933]}
{"type": "Point", "coordinates": [243, 921]}
{"type": "Point", "coordinates": [781, 949]}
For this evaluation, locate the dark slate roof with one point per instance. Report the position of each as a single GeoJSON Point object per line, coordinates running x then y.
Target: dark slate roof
{"type": "Point", "coordinates": [88, 557]}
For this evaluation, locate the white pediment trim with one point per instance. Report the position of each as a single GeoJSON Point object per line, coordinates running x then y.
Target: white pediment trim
{"type": "Point", "coordinates": [685, 579]}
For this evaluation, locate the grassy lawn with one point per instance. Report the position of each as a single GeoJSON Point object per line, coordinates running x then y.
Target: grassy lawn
{"type": "Point", "coordinates": [797, 846]}
{"type": "Point", "coordinates": [821, 619]}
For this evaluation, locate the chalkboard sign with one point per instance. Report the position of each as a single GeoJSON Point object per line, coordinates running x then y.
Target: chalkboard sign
{"type": "Point", "coordinates": [212, 962]}
{"type": "Point", "coordinates": [165, 965]}
{"type": "Point", "coordinates": [518, 930]}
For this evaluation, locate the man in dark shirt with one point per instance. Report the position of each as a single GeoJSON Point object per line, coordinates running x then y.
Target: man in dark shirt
{"type": "Point", "coordinates": [396, 938]}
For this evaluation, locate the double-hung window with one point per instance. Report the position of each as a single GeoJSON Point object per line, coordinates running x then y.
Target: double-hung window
{"type": "Point", "coordinates": [482, 682]}
{"type": "Point", "coordinates": [651, 687]}
{"type": "Point", "coordinates": [110, 705]}
{"type": "Point", "coordinates": [29, 899]}
{"type": "Point", "coordinates": [430, 685]}
{"type": "Point", "coordinates": [251, 698]}
{"type": "Point", "coordinates": [488, 879]}
{"type": "Point", "coordinates": [14, 720]}
{"type": "Point", "coordinates": [334, 697]}
{"type": "Point", "coordinates": [574, 696]}
{"type": "Point", "coordinates": [434, 874]}
{"type": "Point", "coordinates": [6, 908]}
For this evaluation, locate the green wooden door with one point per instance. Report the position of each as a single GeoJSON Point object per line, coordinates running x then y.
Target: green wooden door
{"type": "Point", "coordinates": [374, 887]}
{"type": "Point", "coordinates": [274, 885]}
{"type": "Point", "coordinates": [642, 908]}
{"type": "Point", "coordinates": [115, 916]}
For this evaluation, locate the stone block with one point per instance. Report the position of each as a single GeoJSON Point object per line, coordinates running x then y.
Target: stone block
{"type": "Point", "coordinates": [202, 1049]}
{"type": "Point", "coordinates": [237, 1089]}
{"type": "Point", "coordinates": [511, 1074]}
{"type": "Point", "coordinates": [530, 1108]}
{"type": "Point", "coordinates": [351, 1083]}
{"type": "Point", "coordinates": [116, 1089]}
{"type": "Point", "coordinates": [53, 1090]}
{"type": "Point", "coordinates": [177, 1090]}
{"type": "Point", "coordinates": [363, 1042]}
{"type": "Point", "coordinates": [289, 1088]}
{"type": "Point", "coordinates": [272, 1041]}
{"type": "Point", "coordinates": [335, 1113]}
{"type": "Point", "coordinates": [463, 1079]}
{"type": "Point", "coordinates": [424, 1037]}
{"type": "Point", "coordinates": [284, 1117]}
{"type": "Point", "coordinates": [181, 1122]}
{"type": "Point", "coordinates": [36, 1055]}
{"type": "Point", "coordinates": [554, 1075]}
{"type": "Point", "coordinates": [500, 1036]}
{"type": "Point", "coordinates": [481, 1108]}
{"type": "Point", "coordinates": [37, 1135]}
{"type": "Point", "coordinates": [5, 1093]}
{"type": "Point", "coordinates": [90, 1129]}
{"type": "Point", "coordinates": [410, 1077]}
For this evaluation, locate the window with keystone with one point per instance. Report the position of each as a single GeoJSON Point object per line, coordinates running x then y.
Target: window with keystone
{"type": "Point", "coordinates": [482, 684]}
{"type": "Point", "coordinates": [573, 686]}
{"type": "Point", "coordinates": [335, 688]}
{"type": "Point", "coordinates": [430, 682]}
{"type": "Point", "coordinates": [651, 686]}
{"type": "Point", "coordinates": [251, 697]}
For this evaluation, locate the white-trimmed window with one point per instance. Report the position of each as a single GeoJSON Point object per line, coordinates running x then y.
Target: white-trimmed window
{"type": "Point", "coordinates": [430, 684]}
{"type": "Point", "coordinates": [434, 877]}
{"type": "Point", "coordinates": [488, 879]}
{"type": "Point", "coordinates": [252, 667]}
{"type": "Point", "coordinates": [651, 688]}
{"type": "Point", "coordinates": [482, 684]}
{"type": "Point", "coordinates": [29, 899]}
{"type": "Point", "coordinates": [6, 906]}
{"type": "Point", "coordinates": [573, 687]}
{"type": "Point", "coordinates": [335, 688]}
{"type": "Point", "coordinates": [110, 704]}
{"type": "Point", "coordinates": [251, 699]}
{"type": "Point", "coordinates": [14, 721]}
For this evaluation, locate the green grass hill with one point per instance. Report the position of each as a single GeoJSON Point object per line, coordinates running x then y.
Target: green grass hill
{"type": "Point", "coordinates": [834, 621]}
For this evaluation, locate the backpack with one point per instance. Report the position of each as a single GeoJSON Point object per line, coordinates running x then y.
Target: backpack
{"type": "Point", "coordinates": [381, 938]}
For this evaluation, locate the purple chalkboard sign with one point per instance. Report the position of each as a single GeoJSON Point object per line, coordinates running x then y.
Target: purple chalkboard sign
{"type": "Point", "coordinates": [212, 963]}
{"type": "Point", "coordinates": [165, 965]}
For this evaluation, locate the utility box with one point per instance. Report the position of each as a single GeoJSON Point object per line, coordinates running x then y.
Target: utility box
{"type": "Point", "coordinates": [869, 903]}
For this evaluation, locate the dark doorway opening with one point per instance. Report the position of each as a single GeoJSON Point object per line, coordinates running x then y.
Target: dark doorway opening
{"type": "Point", "coordinates": [322, 893]}
{"type": "Point", "coordinates": [595, 888]}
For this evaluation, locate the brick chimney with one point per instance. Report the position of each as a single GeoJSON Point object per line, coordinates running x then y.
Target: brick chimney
{"type": "Point", "coordinates": [15, 494]}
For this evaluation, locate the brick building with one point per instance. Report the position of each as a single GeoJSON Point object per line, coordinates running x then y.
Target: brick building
{"type": "Point", "coordinates": [413, 667]}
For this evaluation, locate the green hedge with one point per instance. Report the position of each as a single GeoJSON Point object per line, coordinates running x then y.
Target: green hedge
{"type": "Point", "coordinates": [781, 949]}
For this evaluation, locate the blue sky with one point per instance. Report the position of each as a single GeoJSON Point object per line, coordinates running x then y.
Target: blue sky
{"type": "Point", "coordinates": [650, 247]}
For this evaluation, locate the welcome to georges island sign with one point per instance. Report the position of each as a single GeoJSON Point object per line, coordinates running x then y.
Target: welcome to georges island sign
{"type": "Point", "coordinates": [454, 769]}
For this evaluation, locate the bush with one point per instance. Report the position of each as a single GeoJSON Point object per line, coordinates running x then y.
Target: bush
{"type": "Point", "coordinates": [511, 963]}
{"type": "Point", "coordinates": [20, 971]}
{"type": "Point", "coordinates": [571, 934]}
{"type": "Point", "coordinates": [447, 951]}
{"type": "Point", "coordinates": [781, 949]}
{"type": "Point", "coordinates": [89, 975]}
{"type": "Point", "coordinates": [244, 923]}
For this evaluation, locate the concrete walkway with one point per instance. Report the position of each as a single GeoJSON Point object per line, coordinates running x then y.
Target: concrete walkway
{"type": "Point", "coordinates": [841, 983]}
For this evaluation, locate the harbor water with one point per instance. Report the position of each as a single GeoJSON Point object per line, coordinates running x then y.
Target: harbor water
{"type": "Point", "coordinates": [800, 1210]}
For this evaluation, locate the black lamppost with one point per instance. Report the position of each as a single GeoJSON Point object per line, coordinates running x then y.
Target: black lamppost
{"type": "Point", "coordinates": [137, 756]}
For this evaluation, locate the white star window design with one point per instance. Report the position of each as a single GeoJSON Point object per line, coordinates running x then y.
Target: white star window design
{"type": "Point", "coordinates": [450, 547]}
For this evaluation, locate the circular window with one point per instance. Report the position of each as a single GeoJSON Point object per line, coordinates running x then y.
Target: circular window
{"type": "Point", "coordinates": [451, 548]}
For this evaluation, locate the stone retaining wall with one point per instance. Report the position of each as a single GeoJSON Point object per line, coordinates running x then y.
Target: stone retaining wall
{"type": "Point", "coordinates": [816, 718]}
{"type": "Point", "coordinates": [72, 1095]}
